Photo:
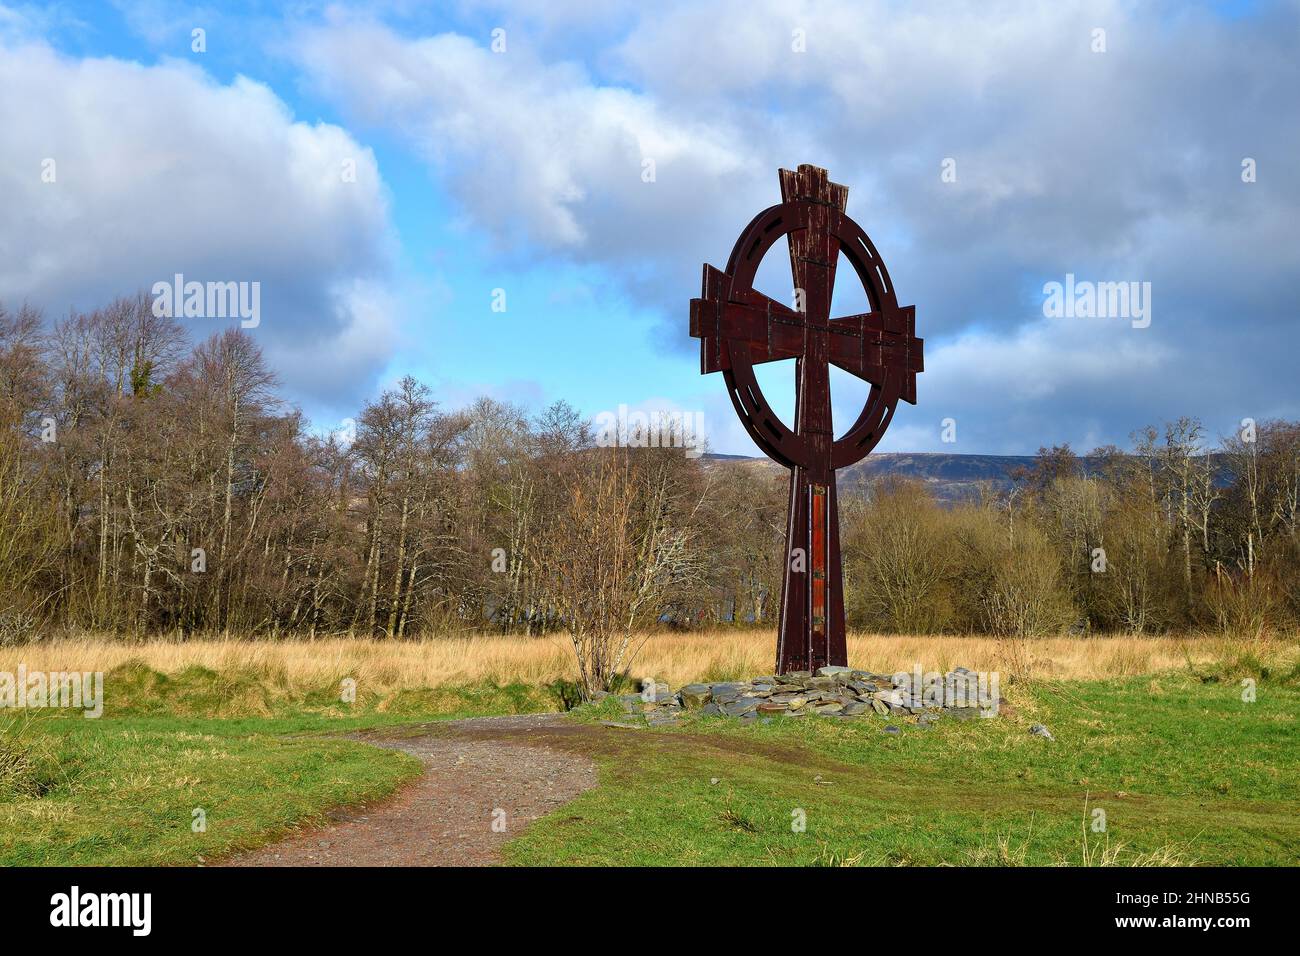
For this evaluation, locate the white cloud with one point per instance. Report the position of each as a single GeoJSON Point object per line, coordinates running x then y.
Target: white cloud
{"type": "Point", "coordinates": [536, 151]}
{"type": "Point", "coordinates": [1045, 382]}
{"type": "Point", "coordinates": [159, 170]}
{"type": "Point", "coordinates": [1044, 360]}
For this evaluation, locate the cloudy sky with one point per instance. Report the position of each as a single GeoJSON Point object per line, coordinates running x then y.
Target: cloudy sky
{"type": "Point", "coordinates": [383, 169]}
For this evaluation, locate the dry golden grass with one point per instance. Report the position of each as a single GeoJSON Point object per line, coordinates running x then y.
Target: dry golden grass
{"type": "Point", "coordinates": [677, 658]}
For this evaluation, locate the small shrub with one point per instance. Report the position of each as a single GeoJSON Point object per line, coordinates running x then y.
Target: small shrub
{"type": "Point", "coordinates": [17, 627]}
{"type": "Point", "coordinates": [566, 693]}
{"type": "Point", "coordinates": [1242, 606]}
{"type": "Point", "coordinates": [16, 767]}
{"type": "Point", "coordinates": [28, 767]}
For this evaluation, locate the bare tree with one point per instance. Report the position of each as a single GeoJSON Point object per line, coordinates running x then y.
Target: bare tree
{"type": "Point", "coordinates": [615, 554]}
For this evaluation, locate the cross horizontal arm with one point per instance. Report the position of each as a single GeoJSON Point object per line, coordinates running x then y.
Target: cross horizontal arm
{"type": "Point", "coordinates": [870, 344]}
{"type": "Point", "coordinates": [770, 336]}
{"type": "Point", "coordinates": [773, 331]}
{"type": "Point", "coordinates": [867, 345]}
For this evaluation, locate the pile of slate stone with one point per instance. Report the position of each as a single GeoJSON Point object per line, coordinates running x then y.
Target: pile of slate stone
{"type": "Point", "coordinates": [831, 692]}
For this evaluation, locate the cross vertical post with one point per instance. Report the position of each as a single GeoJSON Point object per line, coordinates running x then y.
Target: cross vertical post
{"type": "Point", "coordinates": [815, 637]}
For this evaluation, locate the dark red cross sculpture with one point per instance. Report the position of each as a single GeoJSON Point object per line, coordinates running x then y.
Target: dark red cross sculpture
{"type": "Point", "coordinates": [739, 328]}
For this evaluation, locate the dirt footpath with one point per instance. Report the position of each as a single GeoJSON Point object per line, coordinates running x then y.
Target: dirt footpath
{"type": "Point", "coordinates": [487, 779]}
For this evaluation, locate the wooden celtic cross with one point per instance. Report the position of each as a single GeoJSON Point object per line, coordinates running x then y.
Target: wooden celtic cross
{"type": "Point", "coordinates": [739, 328]}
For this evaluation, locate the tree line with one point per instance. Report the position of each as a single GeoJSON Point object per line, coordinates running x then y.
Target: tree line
{"type": "Point", "coordinates": [153, 487]}
{"type": "Point", "coordinates": [1172, 535]}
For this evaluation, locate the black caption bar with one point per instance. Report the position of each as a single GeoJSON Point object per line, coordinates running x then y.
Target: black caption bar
{"type": "Point", "coordinates": [139, 907]}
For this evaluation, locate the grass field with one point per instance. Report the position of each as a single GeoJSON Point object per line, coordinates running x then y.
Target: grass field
{"type": "Point", "coordinates": [1184, 771]}
{"type": "Point", "coordinates": [1153, 732]}
{"type": "Point", "coordinates": [122, 790]}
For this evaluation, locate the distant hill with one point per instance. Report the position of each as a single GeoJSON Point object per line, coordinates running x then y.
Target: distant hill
{"type": "Point", "coordinates": [950, 478]}
{"type": "Point", "coordinates": [711, 456]}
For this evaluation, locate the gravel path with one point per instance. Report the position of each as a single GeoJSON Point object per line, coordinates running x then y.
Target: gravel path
{"type": "Point", "coordinates": [477, 793]}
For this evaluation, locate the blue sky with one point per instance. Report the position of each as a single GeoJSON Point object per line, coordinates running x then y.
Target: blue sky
{"type": "Point", "coordinates": [520, 170]}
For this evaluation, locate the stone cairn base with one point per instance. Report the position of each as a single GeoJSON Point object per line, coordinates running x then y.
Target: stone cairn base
{"type": "Point", "coordinates": [832, 692]}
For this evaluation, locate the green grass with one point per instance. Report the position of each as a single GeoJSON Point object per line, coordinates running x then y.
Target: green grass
{"type": "Point", "coordinates": [140, 691]}
{"type": "Point", "coordinates": [122, 789]}
{"type": "Point", "coordinates": [1184, 770]}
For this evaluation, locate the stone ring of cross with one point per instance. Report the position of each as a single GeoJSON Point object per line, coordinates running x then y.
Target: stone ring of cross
{"type": "Point", "coordinates": [741, 328]}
